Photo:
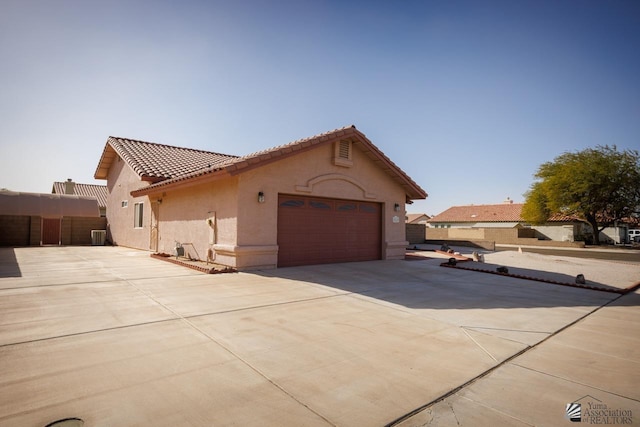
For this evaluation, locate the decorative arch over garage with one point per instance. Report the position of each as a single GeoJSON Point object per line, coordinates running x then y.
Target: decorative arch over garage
{"type": "Point", "coordinates": [334, 177]}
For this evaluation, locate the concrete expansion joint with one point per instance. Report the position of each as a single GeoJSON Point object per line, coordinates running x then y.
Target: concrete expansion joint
{"type": "Point", "coordinates": [478, 344]}
{"type": "Point", "coordinates": [253, 307]}
{"type": "Point", "coordinates": [454, 413]}
{"type": "Point", "coordinates": [192, 325]}
{"type": "Point", "coordinates": [114, 328]}
{"type": "Point", "coordinates": [576, 382]}
{"type": "Point", "coordinates": [494, 368]}
{"type": "Point", "coordinates": [456, 390]}
{"type": "Point", "coordinates": [505, 414]}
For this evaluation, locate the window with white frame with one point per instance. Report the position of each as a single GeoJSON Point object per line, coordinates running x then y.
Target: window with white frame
{"type": "Point", "coordinates": [138, 210]}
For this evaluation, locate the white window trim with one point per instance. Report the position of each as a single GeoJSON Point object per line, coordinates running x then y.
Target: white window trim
{"type": "Point", "coordinates": [138, 215]}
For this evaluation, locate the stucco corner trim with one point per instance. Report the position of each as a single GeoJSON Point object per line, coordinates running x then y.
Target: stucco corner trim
{"type": "Point", "coordinates": [402, 244]}
{"type": "Point", "coordinates": [240, 250]}
{"type": "Point", "coordinates": [308, 188]}
{"type": "Point", "coordinates": [249, 257]}
{"type": "Point", "coordinates": [395, 250]}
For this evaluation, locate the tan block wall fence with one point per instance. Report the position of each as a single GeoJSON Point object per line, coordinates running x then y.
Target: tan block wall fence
{"type": "Point", "coordinates": [26, 230]}
{"type": "Point", "coordinates": [416, 233]}
{"type": "Point", "coordinates": [506, 236]}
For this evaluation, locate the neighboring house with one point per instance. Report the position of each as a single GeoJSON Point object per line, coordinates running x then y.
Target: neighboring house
{"type": "Point", "coordinates": [89, 190]}
{"type": "Point", "coordinates": [507, 215]}
{"type": "Point", "coordinates": [417, 218]}
{"type": "Point", "coordinates": [559, 228]}
{"type": "Point", "coordinates": [32, 219]}
{"type": "Point", "coordinates": [334, 197]}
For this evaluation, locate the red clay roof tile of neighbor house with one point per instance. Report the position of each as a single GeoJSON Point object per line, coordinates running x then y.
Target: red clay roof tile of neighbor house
{"type": "Point", "coordinates": [411, 217]}
{"type": "Point", "coordinates": [157, 162]}
{"type": "Point", "coordinates": [504, 212]}
{"type": "Point", "coordinates": [91, 190]}
{"type": "Point", "coordinates": [232, 165]}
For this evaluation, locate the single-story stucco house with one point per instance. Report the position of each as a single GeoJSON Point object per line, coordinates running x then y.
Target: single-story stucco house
{"type": "Point", "coordinates": [507, 215]}
{"type": "Point", "coordinates": [333, 197]}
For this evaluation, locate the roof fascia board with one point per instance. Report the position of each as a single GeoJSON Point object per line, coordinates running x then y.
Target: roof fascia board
{"type": "Point", "coordinates": [413, 190]}
{"type": "Point", "coordinates": [109, 148]}
{"type": "Point", "coordinates": [179, 184]}
{"type": "Point", "coordinates": [270, 157]}
{"type": "Point", "coordinates": [250, 162]}
{"type": "Point", "coordinates": [105, 163]}
{"type": "Point", "coordinates": [386, 165]}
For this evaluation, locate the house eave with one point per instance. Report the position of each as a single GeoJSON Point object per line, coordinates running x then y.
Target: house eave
{"type": "Point", "coordinates": [171, 185]}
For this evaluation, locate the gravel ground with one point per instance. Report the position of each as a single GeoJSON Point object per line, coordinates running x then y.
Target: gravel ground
{"type": "Point", "coordinates": [596, 272]}
{"type": "Point", "coordinates": [564, 269]}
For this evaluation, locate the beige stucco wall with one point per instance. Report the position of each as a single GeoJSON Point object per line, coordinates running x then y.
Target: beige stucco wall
{"type": "Point", "coordinates": [183, 217]}
{"type": "Point", "coordinates": [120, 182]}
{"type": "Point", "coordinates": [313, 173]}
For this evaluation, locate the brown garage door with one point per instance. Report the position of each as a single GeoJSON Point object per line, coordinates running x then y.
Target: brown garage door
{"type": "Point", "coordinates": [315, 230]}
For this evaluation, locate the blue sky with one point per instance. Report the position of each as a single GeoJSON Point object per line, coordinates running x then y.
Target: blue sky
{"type": "Point", "coordinates": [467, 97]}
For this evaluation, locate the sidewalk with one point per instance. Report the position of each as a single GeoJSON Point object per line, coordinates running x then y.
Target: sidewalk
{"type": "Point", "coordinates": [594, 363]}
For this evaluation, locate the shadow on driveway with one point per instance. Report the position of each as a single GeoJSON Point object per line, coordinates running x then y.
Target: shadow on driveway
{"type": "Point", "coordinates": [426, 285]}
{"type": "Point", "coordinates": [8, 263]}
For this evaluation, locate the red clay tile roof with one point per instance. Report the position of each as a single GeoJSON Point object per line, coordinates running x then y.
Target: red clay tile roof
{"type": "Point", "coordinates": [234, 165]}
{"type": "Point", "coordinates": [157, 162]}
{"type": "Point", "coordinates": [503, 212]}
{"type": "Point", "coordinates": [91, 190]}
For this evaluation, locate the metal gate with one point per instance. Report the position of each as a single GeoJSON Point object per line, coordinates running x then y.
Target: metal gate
{"type": "Point", "coordinates": [51, 231]}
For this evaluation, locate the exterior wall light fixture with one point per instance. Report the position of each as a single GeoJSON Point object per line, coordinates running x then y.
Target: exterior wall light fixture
{"type": "Point", "coordinates": [396, 207]}
{"type": "Point", "coordinates": [260, 197]}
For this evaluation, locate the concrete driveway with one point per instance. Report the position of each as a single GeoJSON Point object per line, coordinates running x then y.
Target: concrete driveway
{"type": "Point", "coordinates": [114, 337]}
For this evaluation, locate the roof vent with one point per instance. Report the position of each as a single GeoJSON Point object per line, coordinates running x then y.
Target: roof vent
{"type": "Point", "coordinates": [508, 201]}
{"type": "Point", "coordinates": [343, 155]}
{"type": "Point", "coordinates": [344, 151]}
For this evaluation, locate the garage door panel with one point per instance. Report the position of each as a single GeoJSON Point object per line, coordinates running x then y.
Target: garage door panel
{"type": "Point", "coordinates": [318, 231]}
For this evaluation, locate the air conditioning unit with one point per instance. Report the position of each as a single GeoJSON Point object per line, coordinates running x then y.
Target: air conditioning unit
{"type": "Point", "coordinates": [98, 237]}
